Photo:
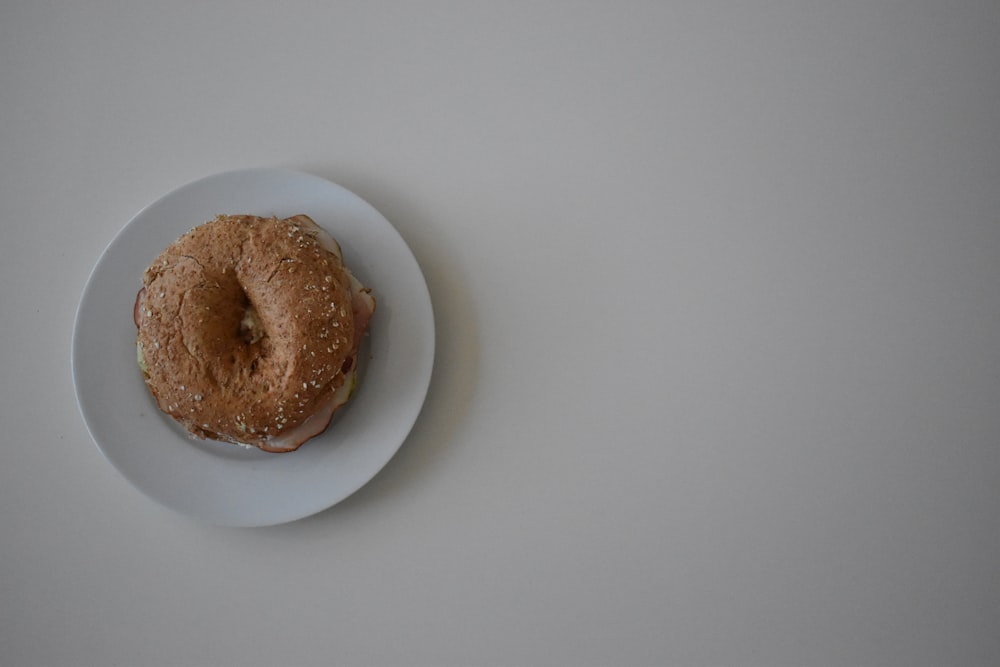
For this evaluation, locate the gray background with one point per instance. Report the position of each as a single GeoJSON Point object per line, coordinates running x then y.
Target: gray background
{"type": "Point", "coordinates": [716, 289]}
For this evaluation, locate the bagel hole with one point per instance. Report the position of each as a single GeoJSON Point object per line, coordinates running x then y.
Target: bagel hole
{"type": "Point", "coordinates": [251, 327]}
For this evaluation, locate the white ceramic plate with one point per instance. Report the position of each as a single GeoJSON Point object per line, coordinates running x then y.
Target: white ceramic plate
{"type": "Point", "coordinates": [225, 484]}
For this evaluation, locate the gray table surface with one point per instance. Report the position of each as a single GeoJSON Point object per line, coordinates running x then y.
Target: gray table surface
{"type": "Point", "coordinates": [717, 296]}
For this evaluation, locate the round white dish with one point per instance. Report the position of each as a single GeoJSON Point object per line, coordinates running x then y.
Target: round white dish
{"type": "Point", "coordinates": [221, 483]}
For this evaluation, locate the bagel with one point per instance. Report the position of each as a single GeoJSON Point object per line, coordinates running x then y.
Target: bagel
{"type": "Point", "coordinates": [249, 330]}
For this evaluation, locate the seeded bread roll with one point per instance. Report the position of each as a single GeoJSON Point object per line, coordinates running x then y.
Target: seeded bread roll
{"type": "Point", "coordinates": [249, 330]}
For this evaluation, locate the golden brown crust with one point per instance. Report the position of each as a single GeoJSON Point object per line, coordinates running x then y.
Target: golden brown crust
{"type": "Point", "coordinates": [246, 327]}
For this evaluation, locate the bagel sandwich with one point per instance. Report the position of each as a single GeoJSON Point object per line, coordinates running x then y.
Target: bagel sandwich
{"type": "Point", "coordinates": [249, 330]}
